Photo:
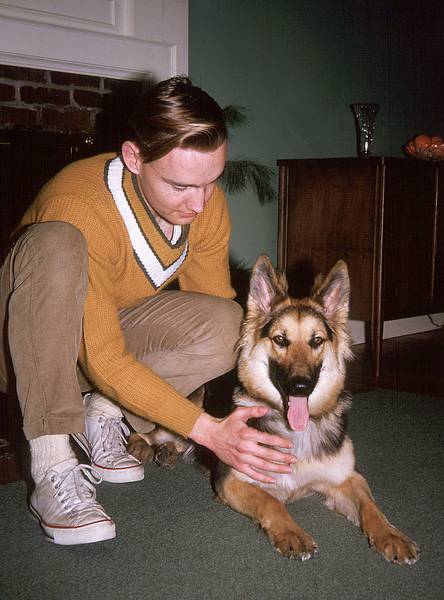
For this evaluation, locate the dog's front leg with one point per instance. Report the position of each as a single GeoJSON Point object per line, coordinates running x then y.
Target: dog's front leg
{"type": "Point", "coordinates": [139, 447]}
{"type": "Point", "coordinates": [288, 538]}
{"type": "Point", "coordinates": [354, 499]}
{"type": "Point", "coordinates": [161, 446]}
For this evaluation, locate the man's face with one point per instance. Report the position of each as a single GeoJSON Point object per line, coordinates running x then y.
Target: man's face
{"type": "Point", "coordinates": [178, 185]}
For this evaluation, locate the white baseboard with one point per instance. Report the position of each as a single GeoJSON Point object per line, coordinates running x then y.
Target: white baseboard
{"type": "Point", "coordinates": [398, 327]}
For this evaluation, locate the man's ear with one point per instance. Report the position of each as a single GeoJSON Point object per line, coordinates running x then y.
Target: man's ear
{"type": "Point", "coordinates": [131, 157]}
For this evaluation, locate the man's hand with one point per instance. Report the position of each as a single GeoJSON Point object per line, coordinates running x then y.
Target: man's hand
{"type": "Point", "coordinates": [240, 446]}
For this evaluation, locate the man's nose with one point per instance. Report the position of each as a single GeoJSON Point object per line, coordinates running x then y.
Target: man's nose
{"type": "Point", "coordinates": [196, 202]}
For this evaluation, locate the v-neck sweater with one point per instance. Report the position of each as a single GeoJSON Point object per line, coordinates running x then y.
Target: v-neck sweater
{"type": "Point", "coordinates": [129, 260]}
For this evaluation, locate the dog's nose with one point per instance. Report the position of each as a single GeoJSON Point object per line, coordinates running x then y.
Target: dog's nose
{"type": "Point", "coordinates": [302, 386]}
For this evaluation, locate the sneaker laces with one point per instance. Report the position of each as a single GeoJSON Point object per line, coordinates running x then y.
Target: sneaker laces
{"type": "Point", "coordinates": [114, 439]}
{"type": "Point", "coordinates": [75, 490]}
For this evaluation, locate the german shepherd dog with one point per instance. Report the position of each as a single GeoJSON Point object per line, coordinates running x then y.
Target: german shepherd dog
{"type": "Point", "coordinates": [292, 355]}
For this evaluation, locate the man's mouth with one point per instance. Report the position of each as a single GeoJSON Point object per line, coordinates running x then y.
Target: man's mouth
{"type": "Point", "coordinates": [188, 216]}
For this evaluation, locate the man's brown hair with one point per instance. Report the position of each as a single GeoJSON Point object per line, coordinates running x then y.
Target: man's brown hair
{"type": "Point", "coordinates": [177, 114]}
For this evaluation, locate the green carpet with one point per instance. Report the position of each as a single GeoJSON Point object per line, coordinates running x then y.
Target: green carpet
{"type": "Point", "coordinates": [175, 542]}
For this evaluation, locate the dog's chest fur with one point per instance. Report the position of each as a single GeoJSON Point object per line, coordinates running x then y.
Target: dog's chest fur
{"type": "Point", "coordinates": [311, 475]}
{"type": "Point", "coordinates": [323, 452]}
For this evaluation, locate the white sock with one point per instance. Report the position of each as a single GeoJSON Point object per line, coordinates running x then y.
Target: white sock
{"type": "Point", "coordinates": [47, 451]}
{"type": "Point", "coordinates": [96, 404]}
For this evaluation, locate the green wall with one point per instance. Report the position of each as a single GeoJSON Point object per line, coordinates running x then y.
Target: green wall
{"type": "Point", "coordinates": [297, 65]}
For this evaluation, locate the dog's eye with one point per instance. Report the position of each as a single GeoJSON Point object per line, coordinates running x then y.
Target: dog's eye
{"type": "Point", "coordinates": [316, 341]}
{"type": "Point", "coordinates": [280, 340]}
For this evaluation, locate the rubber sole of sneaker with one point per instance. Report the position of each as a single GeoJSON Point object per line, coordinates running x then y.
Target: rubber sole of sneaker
{"type": "Point", "coordinates": [126, 475]}
{"type": "Point", "coordinates": [70, 536]}
{"type": "Point", "coordinates": [122, 475]}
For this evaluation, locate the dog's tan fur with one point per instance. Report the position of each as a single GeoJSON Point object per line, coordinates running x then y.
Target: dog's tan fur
{"type": "Point", "coordinates": [288, 345]}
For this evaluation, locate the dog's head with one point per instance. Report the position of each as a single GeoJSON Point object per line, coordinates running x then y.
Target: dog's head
{"type": "Point", "coordinates": [292, 352]}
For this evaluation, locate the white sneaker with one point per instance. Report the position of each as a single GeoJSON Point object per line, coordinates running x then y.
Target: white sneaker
{"type": "Point", "coordinates": [105, 444]}
{"type": "Point", "coordinates": [65, 504]}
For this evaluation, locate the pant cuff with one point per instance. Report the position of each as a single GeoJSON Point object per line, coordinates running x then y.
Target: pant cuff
{"type": "Point", "coordinates": [53, 425]}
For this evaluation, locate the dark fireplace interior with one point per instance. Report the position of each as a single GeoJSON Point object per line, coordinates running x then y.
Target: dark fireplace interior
{"type": "Point", "coordinates": [47, 120]}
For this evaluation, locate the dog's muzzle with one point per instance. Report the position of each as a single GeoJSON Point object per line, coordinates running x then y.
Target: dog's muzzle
{"type": "Point", "coordinates": [295, 391]}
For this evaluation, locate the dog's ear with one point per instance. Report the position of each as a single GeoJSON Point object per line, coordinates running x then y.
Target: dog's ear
{"type": "Point", "coordinates": [333, 292]}
{"type": "Point", "coordinates": [266, 286]}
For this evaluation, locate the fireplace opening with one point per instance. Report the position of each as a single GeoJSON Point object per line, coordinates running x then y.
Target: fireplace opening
{"type": "Point", "coordinates": [48, 119]}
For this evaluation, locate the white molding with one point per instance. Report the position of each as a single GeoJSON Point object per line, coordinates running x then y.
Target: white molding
{"type": "Point", "coordinates": [87, 52]}
{"type": "Point", "coordinates": [398, 327]}
{"type": "Point", "coordinates": [124, 39]}
{"type": "Point", "coordinates": [106, 15]}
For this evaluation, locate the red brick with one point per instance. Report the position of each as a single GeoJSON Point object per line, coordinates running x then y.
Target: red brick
{"type": "Point", "coordinates": [87, 98]}
{"type": "Point", "coordinates": [42, 95]}
{"type": "Point", "coordinates": [17, 117]}
{"type": "Point", "coordinates": [74, 79]}
{"type": "Point", "coordinates": [7, 92]}
{"type": "Point", "coordinates": [67, 120]}
{"type": "Point", "coordinates": [22, 73]}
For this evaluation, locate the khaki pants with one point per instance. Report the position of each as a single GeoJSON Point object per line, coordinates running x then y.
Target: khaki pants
{"type": "Point", "coordinates": [187, 338]}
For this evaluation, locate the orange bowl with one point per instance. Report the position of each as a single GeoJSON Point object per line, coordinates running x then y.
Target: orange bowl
{"type": "Point", "coordinates": [425, 147]}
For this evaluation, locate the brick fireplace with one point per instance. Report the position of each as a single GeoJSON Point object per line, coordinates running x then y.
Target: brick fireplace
{"type": "Point", "coordinates": [47, 120]}
{"type": "Point", "coordinates": [47, 100]}
{"type": "Point", "coordinates": [51, 101]}
{"type": "Point", "coordinates": [50, 115]}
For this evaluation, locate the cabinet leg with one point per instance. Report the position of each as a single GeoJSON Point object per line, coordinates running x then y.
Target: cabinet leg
{"type": "Point", "coordinates": [376, 335]}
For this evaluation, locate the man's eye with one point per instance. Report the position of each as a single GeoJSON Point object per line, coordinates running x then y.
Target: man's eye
{"type": "Point", "coordinates": [179, 188]}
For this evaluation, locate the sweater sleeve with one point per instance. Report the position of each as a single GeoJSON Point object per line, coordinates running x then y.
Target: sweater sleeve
{"type": "Point", "coordinates": [107, 363]}
{"type": "Point", "coordinates": [208, 270]}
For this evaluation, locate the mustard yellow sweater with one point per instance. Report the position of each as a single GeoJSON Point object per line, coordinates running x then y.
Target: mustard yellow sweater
{"type": "Point", "coordinates": [130, 259]}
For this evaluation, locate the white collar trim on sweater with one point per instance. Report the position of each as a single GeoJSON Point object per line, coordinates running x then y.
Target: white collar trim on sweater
{"type": "Point", "coordinates": [154, 269]}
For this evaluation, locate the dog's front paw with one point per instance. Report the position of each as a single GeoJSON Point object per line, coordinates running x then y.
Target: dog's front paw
{"type": "Point", "coordinates": [139, 448]}
{"type": "Point", "coordinates": [166, 455]}
{"type": "Point", "coordinates": [395, 547]}
{"type": "Point", "coordinates": [295, 544]}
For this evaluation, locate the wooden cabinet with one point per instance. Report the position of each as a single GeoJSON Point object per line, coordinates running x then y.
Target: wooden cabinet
{"type": "Point", "coordinates": [383, 216]}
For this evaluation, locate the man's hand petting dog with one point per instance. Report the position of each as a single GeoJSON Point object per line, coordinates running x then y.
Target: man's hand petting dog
{"type": "Point", "coordinates": [242, 447]}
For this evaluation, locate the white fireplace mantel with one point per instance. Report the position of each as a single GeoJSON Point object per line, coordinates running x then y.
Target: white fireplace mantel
{"type": "Point", "coordinates": [123, 39]}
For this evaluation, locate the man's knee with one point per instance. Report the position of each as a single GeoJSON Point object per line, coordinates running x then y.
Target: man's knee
{"type": "Point", "coordinates": [224, 331]}
{"type": "Point", "coordinates": [58, 251]}
{"type": "Point", "coordinates": [54, 237]}
{"type": "Point", "coordinates": [230, 315]}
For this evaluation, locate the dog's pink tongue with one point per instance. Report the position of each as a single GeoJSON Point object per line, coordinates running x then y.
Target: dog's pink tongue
{"type": "Point", "coordinates": [297, 414]}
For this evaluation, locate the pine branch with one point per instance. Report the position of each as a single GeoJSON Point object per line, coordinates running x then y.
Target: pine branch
{"type": "Point", "coordinates": [239, 174]}
{"type": "Point", "coordinates": [235, 116]}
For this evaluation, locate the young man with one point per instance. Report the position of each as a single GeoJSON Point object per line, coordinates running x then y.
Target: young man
{"type": "Point", "coordinates": [82, 300]}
